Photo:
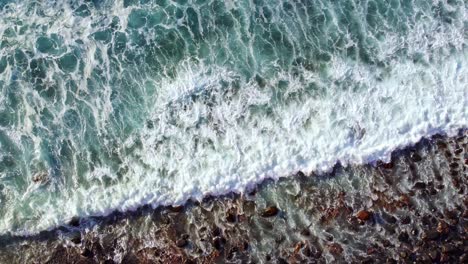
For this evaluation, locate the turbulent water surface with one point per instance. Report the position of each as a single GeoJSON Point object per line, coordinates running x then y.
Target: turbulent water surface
{"type": "Point", "coordinates": [110, 105]}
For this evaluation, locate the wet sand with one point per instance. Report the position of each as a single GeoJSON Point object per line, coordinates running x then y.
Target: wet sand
{"type": "Point", "coordinates": [413, 209]}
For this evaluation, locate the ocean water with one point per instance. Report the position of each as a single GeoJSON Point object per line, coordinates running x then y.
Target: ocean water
{"type": "Point", "coordinates": [111, 105]}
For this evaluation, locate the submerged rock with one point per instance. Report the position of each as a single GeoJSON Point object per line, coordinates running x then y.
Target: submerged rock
{"type": "Point", "coordinates": [270, 211]}
{"type": "Point", "coordinates": [363, 215]}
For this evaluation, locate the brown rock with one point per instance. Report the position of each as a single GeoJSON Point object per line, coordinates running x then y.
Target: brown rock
{"type": "Point", "coordinates": [450, 249]}
{"type": "Point", "coordinates": [40, 177]}
{"type": "Point", "coordinates": [444, 258]}
{"type": "Point", "coordinates": [182, 242]}
{"type": "Point", "coordinates": [363, 215]}
{"type": "Point", "coordinates": [176, 209]}
{"type": "Point", "coordinates": [335, 248]}
{"type": "Point", "coordinates": [442, 227]}
{"type": "Point", "coordinates": [434, 255]}
{"type": "Point", "coordinates": [298, 247]}
{"type": "Point", "coordinates": [404, 199]}
{"type": "Point", "coordinates": [270, 211]}
{"type": "Point", "coordinates": [430, 235]}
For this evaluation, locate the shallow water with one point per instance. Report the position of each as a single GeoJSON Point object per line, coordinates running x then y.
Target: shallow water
{"type": "Point", "coordinates": [111, 105]}
{"type": "Point", "coordinates": [412, 209]}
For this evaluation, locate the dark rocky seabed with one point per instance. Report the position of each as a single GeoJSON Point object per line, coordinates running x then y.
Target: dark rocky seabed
{"type": "Point", "coordinates": [411, 210]}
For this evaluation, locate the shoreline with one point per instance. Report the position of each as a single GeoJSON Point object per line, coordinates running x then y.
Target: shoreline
{"type": "Point", "coordinates": [80, 239]}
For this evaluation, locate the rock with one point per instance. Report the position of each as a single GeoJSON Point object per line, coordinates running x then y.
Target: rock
{"type": "Point", "coordinates": [419, 185]}
{"type": "Point", "coordinates": [404, 199]}
{"type": "Point", "coordinates": [298, 247]}
{"type": "Point", "coordinates": [405, 220]}
{"type": "Point", "coordinates": [442, 144]}
{"type": "Point", "coordinates": [231, 216]}
{"type": "Point", "coordinates": [442, 227]}
{"type": "Point", "coordinates": [389, 218]}
{"type": "Point", "coordinates": [40, 177]}
{"type": "Point", "coordinates": [76, 238]}
{"type": "Point", "coordinates": [444, 258]}
{"type": "Point", "coordinates": [434, 255]}
{"type": "Point", "coordinates": [176, 209]}
{"type": "Point", "coordinates": [451, 250]}
{"type": "Point", "coordinates": [270, 211]}
{"type": "Point", "coordinates": [387, 165]}
{"type": "Point", "coordinates": [87, 253]}
{"type": "Point", "coordinates": [182, 242]}
{"type": "Point", "coordinates": [415, 157]}
{"type": "Point", "coordinates": [305, 232]}
{"type": "Point", "coordinates": [300, 174]}
{"type": "Point", "coordinates": [363, 215]}
{"type": "Point", "coordinates": [260, 81]}
{"type": "Point", "coordinates": [218, 242]}
{"type": "Point", "coordinates": [463, 258]}
{"type": "Point", "coordinates": [75, 221]}
{"type": "Point", "coordinates": [403, 237]}
{"type": "Point", "coordinates": [450, 214]}
{"type": "Point", "coordinates": [430, 235]}
{"type": "Point", "coordinates": [335, 248]}
{"type": "Point", "coordinates": [432, 191]}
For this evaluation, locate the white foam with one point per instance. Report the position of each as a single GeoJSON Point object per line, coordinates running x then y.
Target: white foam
{"type": "Point", "coordinates": [311, 134]}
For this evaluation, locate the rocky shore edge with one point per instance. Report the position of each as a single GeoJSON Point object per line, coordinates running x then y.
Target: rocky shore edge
{"type": "Point", "coordinates": [412, 209]}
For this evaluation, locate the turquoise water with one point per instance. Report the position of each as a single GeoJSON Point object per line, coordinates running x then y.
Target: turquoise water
{"type": "Point", "coordinates": [110, 105]}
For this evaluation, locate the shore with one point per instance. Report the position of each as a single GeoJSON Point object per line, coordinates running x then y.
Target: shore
{"type": "Point", "coordinates": [413, 209]}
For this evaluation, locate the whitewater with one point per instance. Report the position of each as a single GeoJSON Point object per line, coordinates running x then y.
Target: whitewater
{"type": "Point", "coordinates": [112, 105]}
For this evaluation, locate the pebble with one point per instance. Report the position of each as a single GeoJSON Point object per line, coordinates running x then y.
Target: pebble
{"type": "Point", "coordinates": [335, 248]}
{"type": "Point", "coordinates": [76, 238]}
{"type": "Point", "coordinates": [87, 253]}
{"type": "Point", "coordinates": [403, 237]}
{"type": "Point", "coordinates": [419, 185]}
{"type": "Point", "coordinates": [305, 232]}
{"type": "Point", "coordinates": [270, 211]}
{"type": "Point", "coordinates": [182, 242]}
{"type": "Point", "coordinates": [218, 242]}
{"type": "Point", "coordinates": [75, 221]}
{"type": "Point", "coordinates": [442, 227]}
{"type": "Point", "coordinates": [430, 235]}
{"type": "Point", "coordinates": [416, 157]}
{"type": "Point", "coordinates": [363, 215]}
{"type": "Point", "coordinates": [389, 218]}
{"type": "Point", "coordinates": [231, 216]}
